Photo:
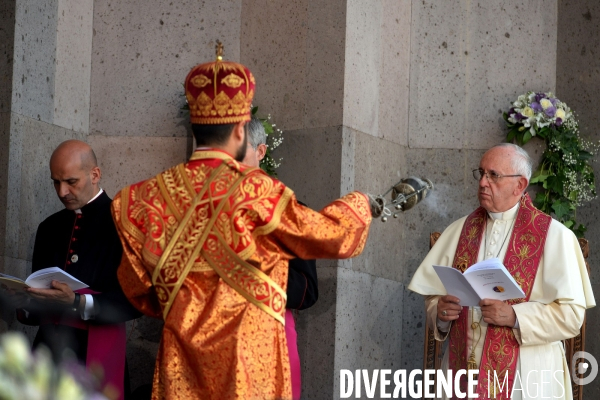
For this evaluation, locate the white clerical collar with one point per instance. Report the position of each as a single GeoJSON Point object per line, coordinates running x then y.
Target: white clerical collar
{"type": "Point", "coordinates": [78, 211]}
{"type": "Point", "coordinates": [505, 215]}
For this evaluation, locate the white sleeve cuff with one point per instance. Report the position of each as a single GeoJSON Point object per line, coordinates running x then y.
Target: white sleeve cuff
{"type": "Point", "coordinates": [88, 310]}
{"type": "Point", "coordinates": [442, 325]}
{"type": "Point", "coordinates": [516, 323]}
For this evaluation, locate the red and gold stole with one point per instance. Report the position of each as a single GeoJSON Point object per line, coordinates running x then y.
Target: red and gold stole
{"type": "Point", "coordinates": [501, 348]}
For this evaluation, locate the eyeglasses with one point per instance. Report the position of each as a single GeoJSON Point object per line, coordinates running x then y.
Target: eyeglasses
{"type": "Point", "coordinates": [491, 176]}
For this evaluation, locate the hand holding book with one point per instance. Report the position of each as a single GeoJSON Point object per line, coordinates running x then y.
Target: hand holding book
{"type": "Point", "coordinates": [48, 284]}
{"type": "Point", "coordinates": [488, 279]}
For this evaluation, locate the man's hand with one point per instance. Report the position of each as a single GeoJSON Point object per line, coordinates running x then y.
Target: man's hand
{"type": "Point", "coordinates": [60, 293]}
{"type": "Point", "coordinates": [448, 308]}
{"type": "Point", "coordinates": [498, 313]}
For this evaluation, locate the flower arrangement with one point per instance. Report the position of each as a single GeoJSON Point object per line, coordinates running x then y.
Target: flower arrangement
{"type": "Point", "coordinates": [27, 376]}
{"type": "Point", "coordinates": [565, 174]}
{"type": "Point", "coordinates": [274, 140]}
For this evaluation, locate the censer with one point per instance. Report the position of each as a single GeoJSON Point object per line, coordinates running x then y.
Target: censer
{"type": "Point", "coordinates": [404, 195]}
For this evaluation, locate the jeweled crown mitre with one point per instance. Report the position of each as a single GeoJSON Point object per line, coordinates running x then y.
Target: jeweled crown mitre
{"type": "Point", "coordinates": [219, 92]}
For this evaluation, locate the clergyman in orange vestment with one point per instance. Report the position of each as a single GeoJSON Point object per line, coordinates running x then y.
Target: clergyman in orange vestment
{"type": "Point", "coordinates": [206, 248]}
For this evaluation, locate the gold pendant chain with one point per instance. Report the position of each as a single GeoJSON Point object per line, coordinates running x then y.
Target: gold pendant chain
{"type": "Point", "coordinates": [471, 363]}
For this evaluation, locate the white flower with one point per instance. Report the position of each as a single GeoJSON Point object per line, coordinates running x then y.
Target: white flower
{"type": "Point", "coordinates": [16, 355]}
{"type": "Point", "coordinates": [528, 112]}
{"type": "Point", "coordinates": [69, 389]}
{"type": "Point", "coordinates": [545, 103]}
{"type": "Point", "coordinates": [560, 114]}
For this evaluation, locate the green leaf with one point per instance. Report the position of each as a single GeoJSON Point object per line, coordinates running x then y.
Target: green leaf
{"type": "Point", "coordinates": [580, 231]}
{"type": "Point", "coordinates": [527, 137]}
{"type": "Point", "coordinates": [540, 198]}
{"type": "Point", "coordinates": [539, 177]}
{"type": "Point", "coordinates": [554, 184]}
{"type": "Point", "coordinates": [268, 127]}
{"type": "Point", "coordinates": [511, 135]}
{"type": "Point", "coordinates": [569, 223]}
{"type": "Point", "coordinates": [560, 209]}
{"type": "Point", "coordinates": [254, 110]}
{"type": "Point", "coordinates": [584, 155]}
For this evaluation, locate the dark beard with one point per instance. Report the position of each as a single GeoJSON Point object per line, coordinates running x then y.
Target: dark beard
{"type": "Point", "coordinates": [241, 152]}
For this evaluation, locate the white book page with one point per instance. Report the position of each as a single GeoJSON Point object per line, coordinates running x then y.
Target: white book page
{"type": "Point", "coordinates": [10, 277]}
{"type": "Point", "coordinates": [43, 278]}
{"type": "Point", "coordinates": [491, 280]}
{"type": "Point", "coordinates": [490, 263]}
{"type": "Point", "coordinates": [9, 282]}
{"type": "Point", "coordinates": [456, 285]}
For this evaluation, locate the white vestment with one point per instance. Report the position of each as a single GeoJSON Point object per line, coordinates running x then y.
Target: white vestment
{"type": "Point", "coordinates": [560, 295]}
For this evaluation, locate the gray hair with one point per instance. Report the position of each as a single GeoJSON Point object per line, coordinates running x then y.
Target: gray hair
{"type": "Point", "coordinates": [256, 132]}
{"type": "Point", "coordinates": [522, 163]}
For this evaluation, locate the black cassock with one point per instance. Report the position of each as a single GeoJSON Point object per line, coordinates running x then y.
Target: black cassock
{"type": "Point", "coordinates": [302, 290]}
{"type": "Point", "coordinates": [86, 246]}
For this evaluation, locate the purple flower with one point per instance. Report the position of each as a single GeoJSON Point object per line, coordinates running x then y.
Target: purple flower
{"type": "Point", "coordinates": [535, 106]}
{"type": "Point", "coordinates": [539, 96]}
{"type": "Point", "coordinates": [558, 122]}
{"type": "Point", "coordinates": [550, 111]}
{"type": "Point", "coordinates": [518, 116]}
{"type": "Point", "coordinates": [552, 100]}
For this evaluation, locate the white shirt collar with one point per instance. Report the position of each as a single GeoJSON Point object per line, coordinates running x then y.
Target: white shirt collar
{"type": "Point", "coordinates": [78, 211]}
{"type": "Point", "coordinates": [505, 215]}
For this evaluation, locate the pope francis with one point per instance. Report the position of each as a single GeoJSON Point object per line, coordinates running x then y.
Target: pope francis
{"type": "Point", "coordinates": [519, 341]}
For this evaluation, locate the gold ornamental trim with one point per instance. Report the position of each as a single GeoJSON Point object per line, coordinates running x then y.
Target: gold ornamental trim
{"type": "Point", "coordinates": [204, 154]}
{"type": "Point", "coordinates": [175, 239]}
{"type": "Point", "coordinates": [200, 81]}
{"type": "Point", "coordinates": [251, 283]}
{"type": "Point", "coordinates": [281, 205]}
{"type": "Point", "coordinates": [255, 278]}
{"type": "Point", "coordinates": [124, 215]}
{"type": "Point", "coordinates": [232, 80]}
{"type": "Point", "coordinates": [220, 120]}
{"type": "Point", "coordinates": [162, 186]}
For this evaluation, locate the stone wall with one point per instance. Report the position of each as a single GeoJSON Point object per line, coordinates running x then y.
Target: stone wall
{"type": "Point", "coordinates": [578, 84]}
{"type": "Point", "coordinates": [367, 92]}
{"type": "Point", "coordinates": [7, 39]}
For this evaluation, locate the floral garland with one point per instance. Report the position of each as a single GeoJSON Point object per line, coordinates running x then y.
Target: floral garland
{"type": "Point", "coordinates": [274, 140]}
{"type": "Point", "coordinates": [565, 174]}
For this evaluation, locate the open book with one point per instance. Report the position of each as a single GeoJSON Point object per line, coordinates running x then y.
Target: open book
{"type": "Point", "coordinates": [41, 279]}
{"type": "Point", "coordinates": [488, 279]}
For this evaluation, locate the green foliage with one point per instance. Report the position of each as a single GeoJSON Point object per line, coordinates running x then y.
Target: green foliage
{"type": "Point", "coordinates": [564, 175]}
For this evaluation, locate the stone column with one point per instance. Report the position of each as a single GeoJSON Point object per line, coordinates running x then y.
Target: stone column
{"type": "Point", "coordinates": [50, 103]}
{"type": "Point", "coordinates": [578, 85]}
{"type": "Point", "coordinates": [369, 93]}
{"type": "Point", "coordinates": [296, 51]}
{"type": "Point", "coordinates": [7, 38]}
